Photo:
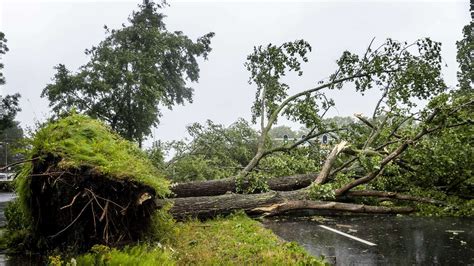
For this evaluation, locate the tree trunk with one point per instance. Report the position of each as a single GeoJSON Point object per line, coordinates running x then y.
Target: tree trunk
{"type": "Point", "coordinates": [270, 203]}
{"type": "Point", "coordinates": [222, 186]}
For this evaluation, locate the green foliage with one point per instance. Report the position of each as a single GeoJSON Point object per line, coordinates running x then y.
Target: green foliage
{"type": "Point", "coordinates": [12, 145]}
{"type": "Point", "coordinates": [156, 154]}
{"type": "Point", "coordinates": [162, 227]}
{"type": "Point", "coordinates": [297, 161]}
{"type": "Point", "coordinates": [133, 71]}
{"type": "Point", "coordinates": [322, 192]}
{"type": "Point", "coordinates": [444, 161]}
{"type": "Point", "coordinates": [8, 104]}
{"type": "Point", "coordinates": [455, 206]}
{"type": "Point", "coordinates": [397, 69]}
{"type": "Point", "coordinates": [403, 72]}
{"type": "Point", "coordinates": [266, 66]}
{"type": "Point", "coordinates": [14, 216]}
{"type": "Point", "coordinates": [342, 179]}
{"type": "Point", "coordinates": [214, 152]}
{"type": "Point", "coordinates": [255, 182]}
{"type": "Point", "coordinates": [16, 234]}
{"type": "Point", "coordinates": [464, 57]}
{"type": "Point", "coordinates": [3, 50]}
{"type": "Point", "coordinates": [8, 110]}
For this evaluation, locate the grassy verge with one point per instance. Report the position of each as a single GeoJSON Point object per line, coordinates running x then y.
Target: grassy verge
{"type": "Point", "coordinates": [235, 240]}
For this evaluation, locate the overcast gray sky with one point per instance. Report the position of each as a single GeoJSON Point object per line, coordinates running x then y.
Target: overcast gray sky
{"type": "Point", "coordinates": [42, 34]}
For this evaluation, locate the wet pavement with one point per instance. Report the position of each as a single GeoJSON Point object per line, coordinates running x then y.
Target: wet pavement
{"type": "Point", "coordinates": [400, 240]}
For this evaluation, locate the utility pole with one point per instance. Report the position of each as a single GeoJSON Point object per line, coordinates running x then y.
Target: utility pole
{"type": "Point", "coordinates": [6, 150]}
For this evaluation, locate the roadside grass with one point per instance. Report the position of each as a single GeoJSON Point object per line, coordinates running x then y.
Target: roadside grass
{"type": "Point", "coordinates": [233, 240]}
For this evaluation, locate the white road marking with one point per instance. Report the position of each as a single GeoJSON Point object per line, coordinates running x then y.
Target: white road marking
{"type": "Point", "coordinates": [349, 236]}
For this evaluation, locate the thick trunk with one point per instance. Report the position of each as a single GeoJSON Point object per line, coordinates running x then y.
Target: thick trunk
{"type": "Point", "coordinates": [270, 203]}
{"type": "Point", "coordinates": [222, 186]}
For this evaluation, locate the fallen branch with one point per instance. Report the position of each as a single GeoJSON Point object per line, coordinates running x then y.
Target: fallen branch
{"type": "Point", "coordinates": [324, 174]}
{"type": "Point", "coordinates": [392, 195]}
{"type": "Point", "coordinates": [281, 208]}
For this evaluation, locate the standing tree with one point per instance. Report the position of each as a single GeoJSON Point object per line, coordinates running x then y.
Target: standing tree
{"type": "Point", "coordinates": [8, 104]}
{"type": "Point", "coordinates": [464, 58]}
{"type": "Point", "coordinates": [10, 131]}
{"type": "Point", "coordinates": [130, 74]}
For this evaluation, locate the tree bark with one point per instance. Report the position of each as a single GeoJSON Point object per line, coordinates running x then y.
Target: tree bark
{"type": "Point", "coordinates": [222, 186]}
{"type": "Point", "coordinates": [270, 203]}
{"type": "Point", "coordinates": [286, 206]}
{"type": "Point", "coordinates": [324, 174]}
{"type": "Point", "coordinates": [392, 195]}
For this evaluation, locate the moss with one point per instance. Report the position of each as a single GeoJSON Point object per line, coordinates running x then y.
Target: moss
{"type": "Point", "coordinates": [80, 141]}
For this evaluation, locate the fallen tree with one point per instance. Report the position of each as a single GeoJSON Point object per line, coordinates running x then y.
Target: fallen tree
{"type": "Point", "coordinates": [270, 203]}
{"type": "Point", "coordinates": [378, 142]}
{"type": "Point", "coordinates": [225, 185]}
{"type": "Point", "coordinates": [78, 188]}
{"type": "Point", "coordinates": [90, 186]}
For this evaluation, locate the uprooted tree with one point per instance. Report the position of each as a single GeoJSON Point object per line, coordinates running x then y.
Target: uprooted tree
{"type": "Point", "coordinates": [404, 73]}
{"type": "Point", "coordinates": [83, 184]}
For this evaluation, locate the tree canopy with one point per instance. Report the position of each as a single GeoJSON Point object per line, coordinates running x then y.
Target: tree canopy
{"type": "Point", "coordinates": [464, 57]}
{"type": "Point", "coordinates": [131, 74]}
{"type": "Point", "coordinates": [9, 105]}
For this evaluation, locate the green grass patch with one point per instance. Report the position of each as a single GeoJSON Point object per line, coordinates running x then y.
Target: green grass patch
{"type": "Point", "coordinates": [234, 240]}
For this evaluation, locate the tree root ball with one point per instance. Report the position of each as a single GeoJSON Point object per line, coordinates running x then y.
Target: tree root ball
{"type": "Point", "coordinates": [81, 208]}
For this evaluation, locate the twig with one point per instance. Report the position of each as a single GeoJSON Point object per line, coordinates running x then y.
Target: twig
{"type": "Point", "coordinates": [363, 119]}
{"type": "Point", "coordinates": [77, 217]}
{"type": "Point", "coordinates": [104, 211]}
{"type": "Point", "coordinates": [17, 163]}
{"type": "Point", "coordinates": [72, 202]}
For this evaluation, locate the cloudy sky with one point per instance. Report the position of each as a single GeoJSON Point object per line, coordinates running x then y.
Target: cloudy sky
{"type": "Point", "coordinates": [42, 34]}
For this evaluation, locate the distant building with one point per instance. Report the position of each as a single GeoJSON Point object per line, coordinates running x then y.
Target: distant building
{"type": "Point", "coordinates": [323, 139]}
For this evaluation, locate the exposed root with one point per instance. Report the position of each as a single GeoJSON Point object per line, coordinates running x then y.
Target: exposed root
{"type": "Point", "coordinates": [117, 210]}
